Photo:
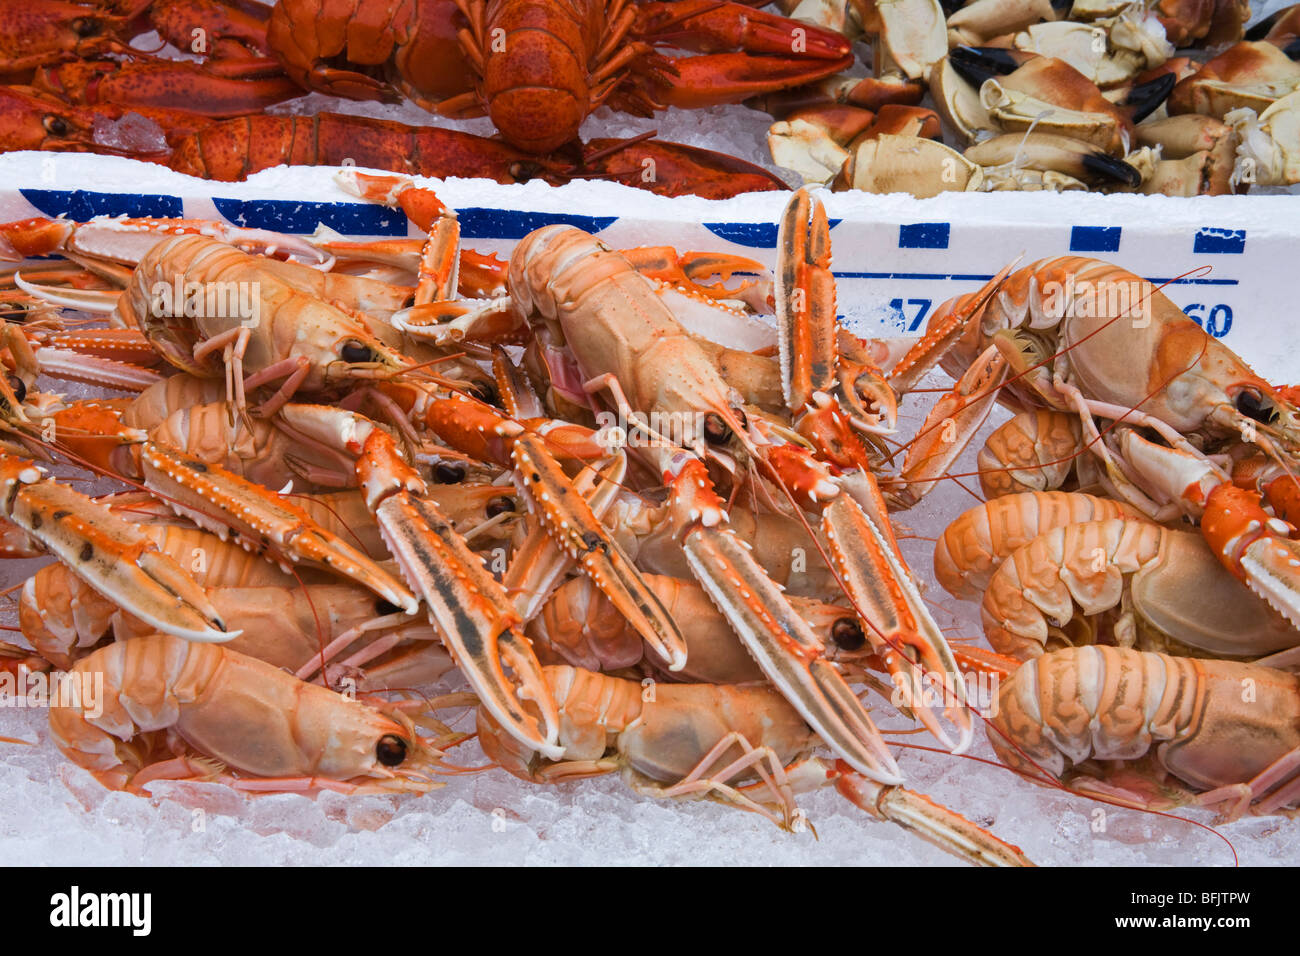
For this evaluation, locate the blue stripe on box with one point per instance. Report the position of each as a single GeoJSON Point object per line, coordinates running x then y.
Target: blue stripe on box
{"type": "Point", "coordinates": [1094, 238]}
{"type": "Point", "coordinates": [1210, 240]}
{"type": "Point", "coordinates": [477, 222]}
{"type": "Point", "coordinates": [80, 205]}
{"type": "Point", "coordinates": [923, 235]}
{"type": "Point", "coordinates": [755, 235]}
{"type": "Point", "coordinates": [284, 215]}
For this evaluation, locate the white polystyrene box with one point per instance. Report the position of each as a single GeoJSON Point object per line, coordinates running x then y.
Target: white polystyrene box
{"type": "Point", "coordinates": [1233, 260]}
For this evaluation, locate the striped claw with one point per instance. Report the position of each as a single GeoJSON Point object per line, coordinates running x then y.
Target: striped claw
{"type": "Point", "coordinates": [111, 555]}
{"type": "Point", "coordinates": [475, 617]}
{"type": "Point", "coordinates": [950, 425]}
{"type": "Point", "coordinates": [262, 520]}
{"type": "Point", "coordinates": [570, 521]}
{"type": "Point", "coordinates": [473, 613]}
{"type": "Point", "coordinates": [898, 624]}
{"type": "Point", "coordinates": [1255, 546]}
{"type": "Point", "coordinates": [931, 821]}
{"type": "Point", "coordinates": [787, 650]}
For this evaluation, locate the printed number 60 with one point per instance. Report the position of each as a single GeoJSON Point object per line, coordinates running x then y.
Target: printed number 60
{"type": "Point", "coordinates": [1219, 321]}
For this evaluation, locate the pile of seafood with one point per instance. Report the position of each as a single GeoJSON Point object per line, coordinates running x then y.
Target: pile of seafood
{"type": "Point", "coordinates": [345, 469]}
{"type": "Point", "coordinates": [1163, 97]}
{"type": "Point", "coordinates": [1171, 97]}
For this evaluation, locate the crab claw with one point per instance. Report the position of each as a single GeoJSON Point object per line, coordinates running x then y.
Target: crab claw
{"type": "Point", "coordinates": [111, 555]}
{"type": "Point", "coordinates": [1255, 546]}
{"type": "Point", "coordinates": [221, 502]}
{"type": "Point", "coordinates": [977, 64]}
{"type": "Point", "coordinates": [1053, 152]}
{"type": "Point", "coordinates": [570, 521]}
{"type": "Point", "coordinates": [787, 650]}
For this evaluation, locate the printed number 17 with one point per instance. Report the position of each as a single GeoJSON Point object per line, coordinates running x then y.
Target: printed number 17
{"type": "Point", "coordinates": [914, 322]}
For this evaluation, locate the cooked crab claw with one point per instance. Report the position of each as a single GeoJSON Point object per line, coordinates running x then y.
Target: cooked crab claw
{"type": "Point", "coordinates": [573, 525]}
{"type": "Point", "coordinates": [787, 650]}
{"type": "Point", "coordinates": [977, 64]}
{"type": "Point", "coordinates": [224, 503]}
{"type": "Point", "coordinates": [111, 555]}
{"type": "Point", "coordinates": [1145, 98]}
{"type": "Point", "coordinates": [1053, 152]}
{"type": "Point", "coordinates": [1255, 546]}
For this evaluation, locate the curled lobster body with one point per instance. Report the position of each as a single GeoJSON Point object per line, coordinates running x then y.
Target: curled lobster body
{"type": "Point", "coordinates": [235, 149]}
{"type": "Point", "coordinates": [1228, 728]}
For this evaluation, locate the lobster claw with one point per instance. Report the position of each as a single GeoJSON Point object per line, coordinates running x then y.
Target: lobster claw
{"type": "Point", "coordinates": [787, 650]}
{"type": "Point", "coordinates": [571, 522]}
{"type": "Point", "coordinates": [221, 502]}
{"type": "Point", "coordinates": [111, 555]}
{"type": "Point", "coordinates": [475, 618]}
{"type": "Point", "coordinates": [950, 425]}
{"type": "Point", "coordinates": [897, 621]}
{"type": "Point", "coordinates": [1255, 546]}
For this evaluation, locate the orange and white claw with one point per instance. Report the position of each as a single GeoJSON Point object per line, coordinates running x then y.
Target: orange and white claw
{"type": "Point", "coordinates": [222, 502]}
{"type": "Point", "coordinates": [111, 555]}
{"type": "Point", "coordinates": [810, 480]}
{"type": "Point", "coordinates": [950, 425]}
{"type": "Point", "coordinates": [949, 323]}
{"type": "Point", "coordinates": [897, 622]}
{"type": "Point", "coordinates": [692, 499]}
{"type": "Point", "coordinates": [786, 649]}
{"type": "Point", "coordinates": [574, 527]}
{"type": "Point", "coordinates": [447, 321]}
{"type": "Point", "coordinates": [1255, 546]}
{"type": "Point", "coordinates": [690, 271]}
{"type": "Point", "coordinates": [421, 205]}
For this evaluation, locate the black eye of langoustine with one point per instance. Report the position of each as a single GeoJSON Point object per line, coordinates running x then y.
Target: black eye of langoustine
{"type": "Point", "coordinates": [85, 27]}
{"type": "Point", "coordinates": [390, 751]}
{"type": "Point", "coordinates": [1252, 406]}
{"type": "Point", "coordinates": [846, 634]}
{"type": "Point", "coordinates": [55, 125]}
{"type": "Point", "coordinates": [500, 505]}
{"type": "Point", "coordinates": [716, 431]}
{"type": "Point", "coordinates": [483, 391]}
{"type": "Point", "coordinates": [19, 387]}
{"type": "Point", "coordinates": [356, 353]}
{"type": "Point", "coordinates": [449, 474]}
